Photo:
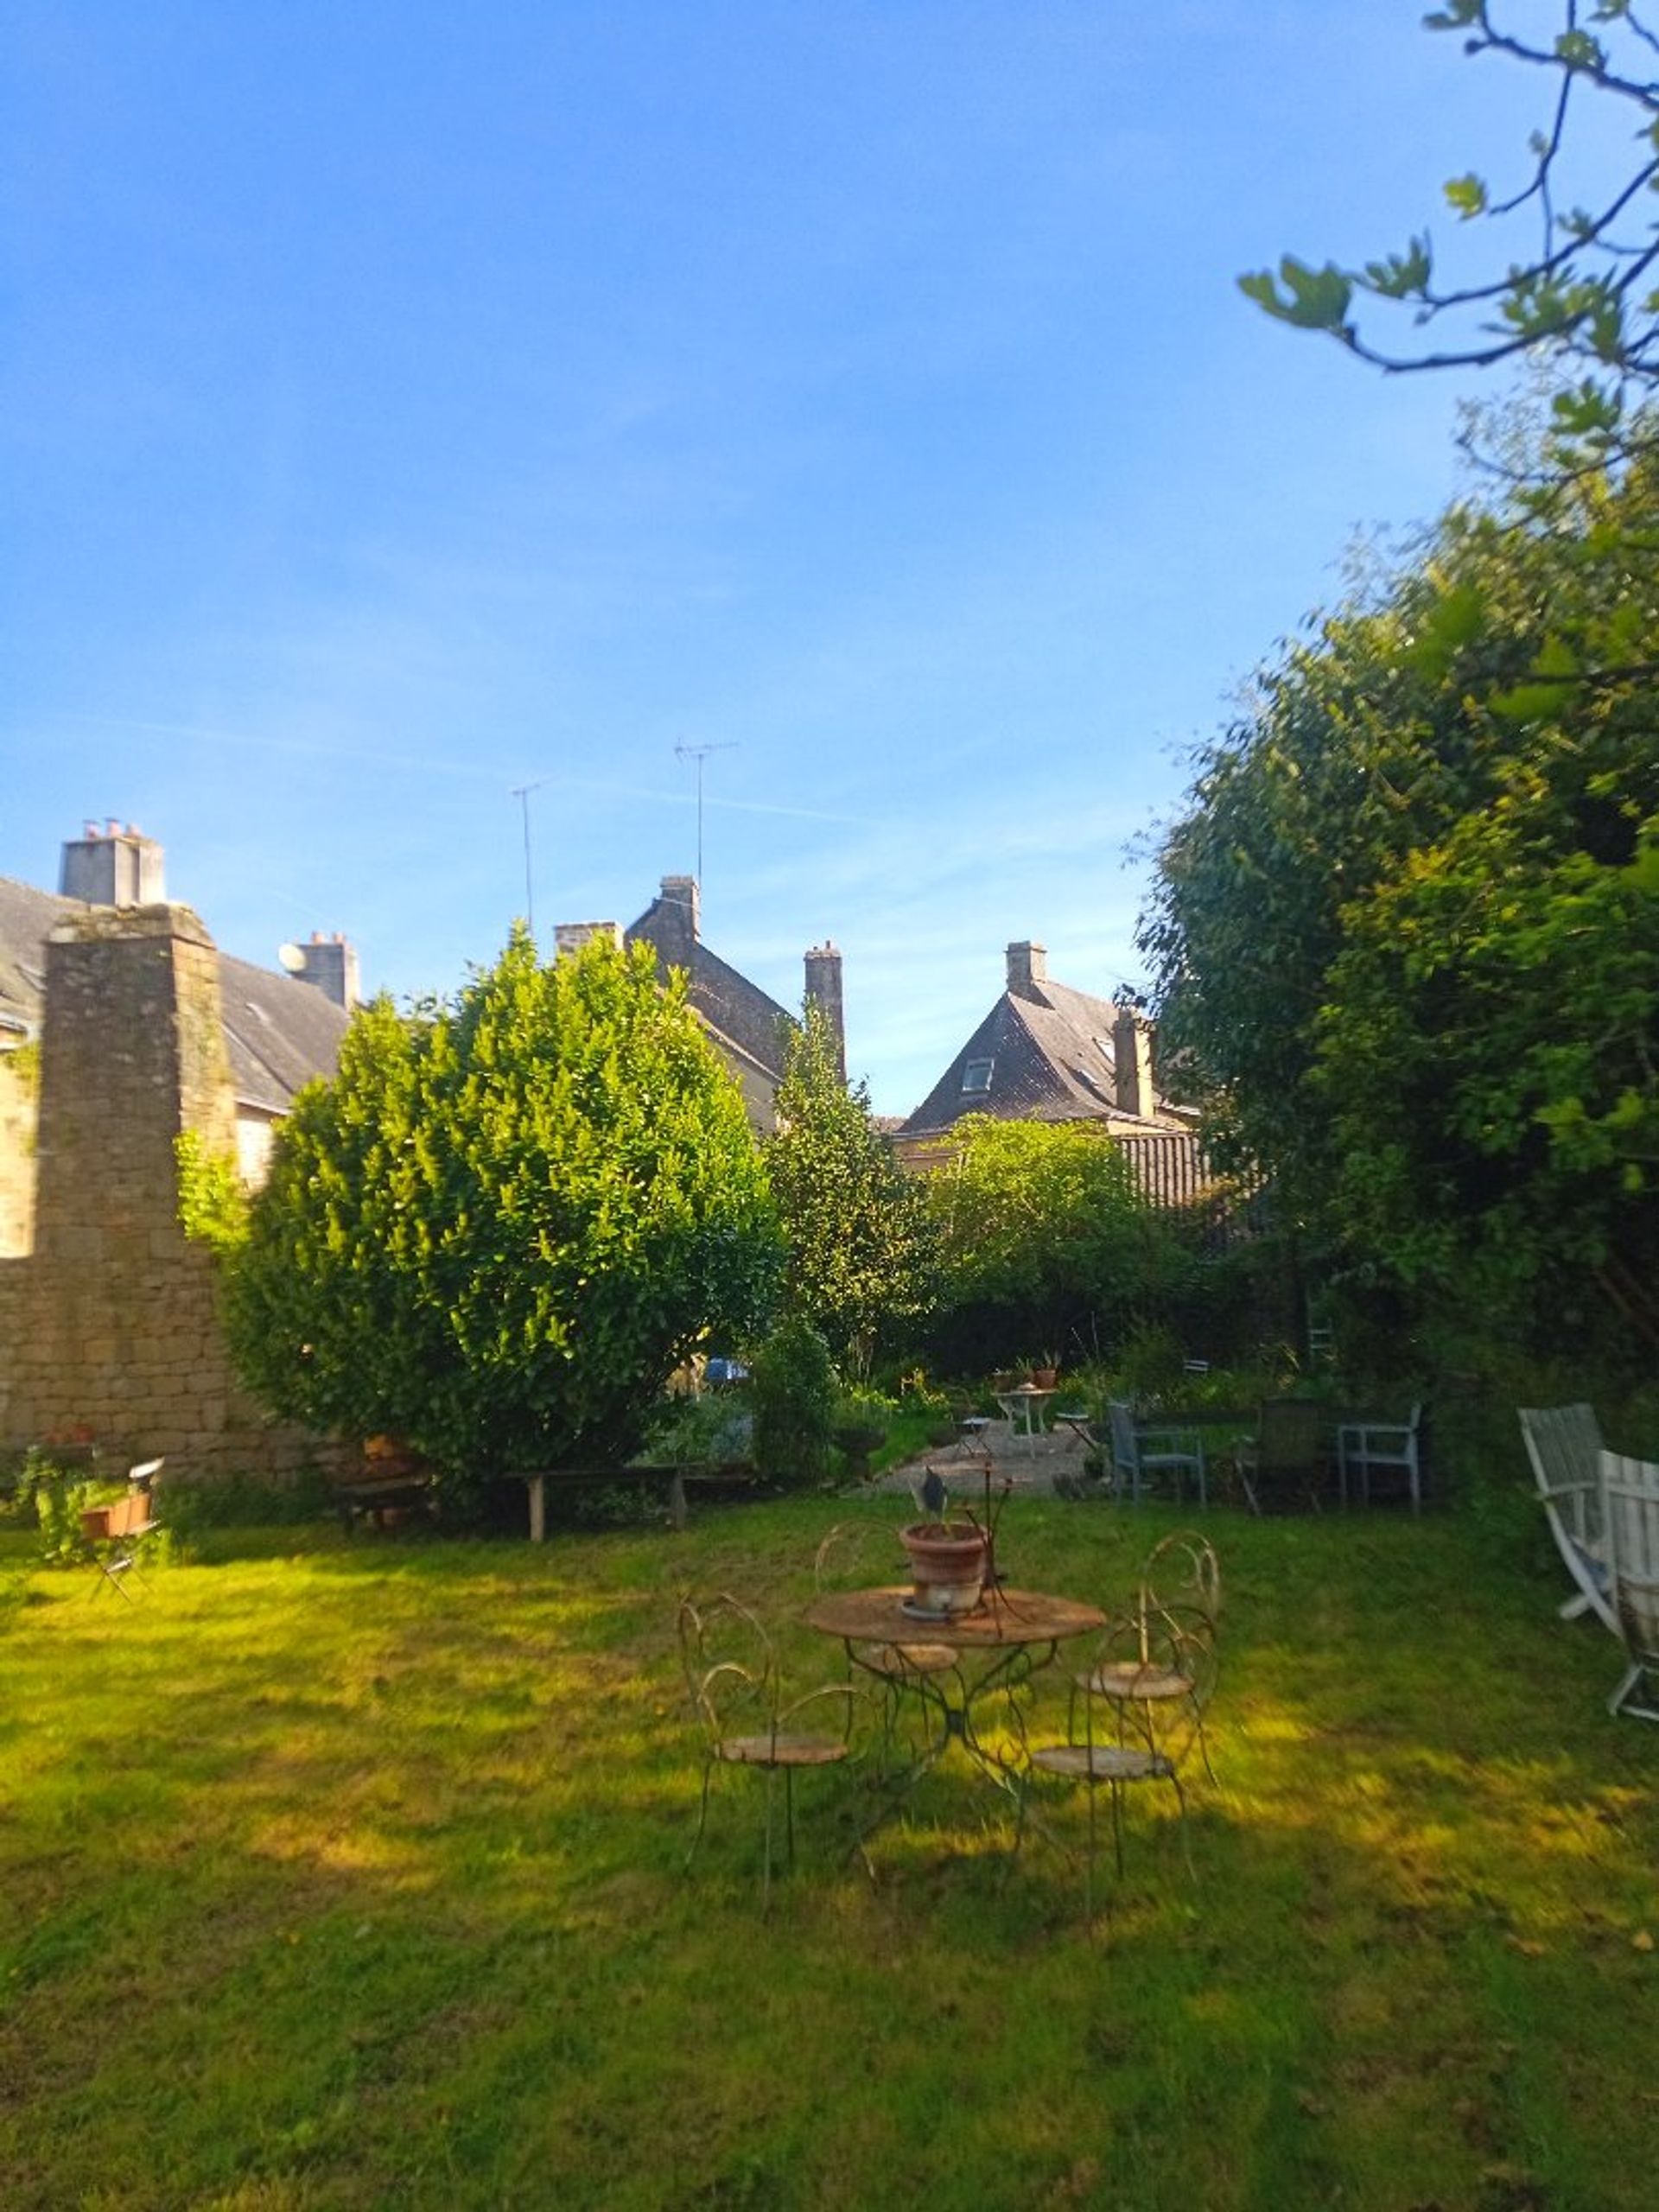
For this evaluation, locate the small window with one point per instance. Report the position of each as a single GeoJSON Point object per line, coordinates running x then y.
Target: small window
{"type": "Point", "coordinates": [977, 1075]}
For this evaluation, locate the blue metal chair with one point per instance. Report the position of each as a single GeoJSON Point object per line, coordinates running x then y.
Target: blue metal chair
{"type": "Point", "coordinates": [1144, 1450]}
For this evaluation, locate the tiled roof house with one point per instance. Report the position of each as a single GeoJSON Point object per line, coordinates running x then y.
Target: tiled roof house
{"type": "Point", "coordinates": [1046, 1052]}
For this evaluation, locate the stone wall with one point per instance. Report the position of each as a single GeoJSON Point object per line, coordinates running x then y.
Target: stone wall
{"type": "Point", "coordinates": [108, 1325]}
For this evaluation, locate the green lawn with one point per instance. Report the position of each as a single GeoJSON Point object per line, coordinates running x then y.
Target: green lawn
{"type": "Point", "coordinates": [351, 1875]}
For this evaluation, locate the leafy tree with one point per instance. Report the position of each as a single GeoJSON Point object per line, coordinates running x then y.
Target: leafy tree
{"type": "Point", "coordinates": [1044, 1237]}
{"type": "Point", "coordinates": [507, 1221]}
{"type": "Point", "coordinates": [1408, 934]}
{"type": "Point", "coordinates": [1580, 293]}
{"type": "Point", "coordinates": [853, 1222]}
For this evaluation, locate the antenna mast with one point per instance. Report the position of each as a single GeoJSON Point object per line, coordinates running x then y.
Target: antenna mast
{"type": "Point", "coordinates": [521, 792]}
{"type": "Point", "coordinates": [700, 753]}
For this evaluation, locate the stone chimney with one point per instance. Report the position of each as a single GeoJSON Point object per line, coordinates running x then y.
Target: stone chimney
{"type": "Point", "coordinates": [1132, 1063]}
{"type": "Point", "coordinates": [570, 937]}
{"type": "Point", "coordinates": [331, 963]}
{"type": "Point", "coordinates": [677, 930]}
{"type": "Point", "coordinates": [113, 867]}
{"type": "Point", "coordinates": [823, 991]}
{"type": "Point", "coordinates": [1027, 967]}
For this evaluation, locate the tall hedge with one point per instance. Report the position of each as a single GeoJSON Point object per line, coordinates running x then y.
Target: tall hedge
{"type": "Point", "coordinates": [500, 1228]}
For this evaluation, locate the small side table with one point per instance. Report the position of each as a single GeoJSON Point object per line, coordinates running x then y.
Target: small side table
{"type": "Point", "coordinates": [1024, 1408]}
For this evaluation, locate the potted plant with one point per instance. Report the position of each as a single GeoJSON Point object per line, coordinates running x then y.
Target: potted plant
{"type": "Point", "coordinates": [1046, 1370]}
{"type": "Point", "coordinates": [948, 1561]}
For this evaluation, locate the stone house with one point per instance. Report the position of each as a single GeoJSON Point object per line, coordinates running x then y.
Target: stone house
{"type": "Point", "coordinates": [121, 1025]}
{"type": "Point", "coordinates": [1046, 1052]}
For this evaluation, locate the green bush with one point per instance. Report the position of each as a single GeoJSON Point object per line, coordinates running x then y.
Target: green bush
{"type": "Point", "coordinates": [507, 1221]}
{"type": "Point", "coordinates": [795, 1395]}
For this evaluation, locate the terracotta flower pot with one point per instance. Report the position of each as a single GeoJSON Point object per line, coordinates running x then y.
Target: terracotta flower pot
{"type": "Point", "coordinates": [947, 1565]}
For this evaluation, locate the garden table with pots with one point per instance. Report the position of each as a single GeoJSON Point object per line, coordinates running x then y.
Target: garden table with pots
{"type": "Point", "coordinates": [998, 1647]}
{"type": "Point", "coordinates": [1023, 1407]}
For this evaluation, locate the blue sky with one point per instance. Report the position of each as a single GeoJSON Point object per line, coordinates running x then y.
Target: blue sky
{"type": "Point", "coordinates": [402, 403]}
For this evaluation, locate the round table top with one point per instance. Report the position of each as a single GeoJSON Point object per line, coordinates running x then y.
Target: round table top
{"type": "Point", "coordinates": [1010, 1616]}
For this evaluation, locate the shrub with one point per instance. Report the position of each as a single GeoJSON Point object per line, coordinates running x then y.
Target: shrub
{"type": "Point", "coordinates": [794, 1393]}
{"type": "Point", "coordinates": [506, 1222]}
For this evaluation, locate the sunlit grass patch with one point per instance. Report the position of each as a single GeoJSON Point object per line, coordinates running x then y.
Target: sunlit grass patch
{"type": "Point", "coordinates": [353, 1873]}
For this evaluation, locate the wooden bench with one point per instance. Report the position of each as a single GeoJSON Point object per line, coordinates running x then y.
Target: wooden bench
{"type": "Point", "coordinates": [675, 1481]}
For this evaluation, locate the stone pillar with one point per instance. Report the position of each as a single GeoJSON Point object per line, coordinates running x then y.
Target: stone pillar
{"type": "Point", "coordinates": [109, 1325]}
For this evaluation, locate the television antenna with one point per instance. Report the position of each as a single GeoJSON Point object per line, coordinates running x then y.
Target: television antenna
{"type": "Point", "coordinates": [700, 753]}
{"type": "Point", "coordinates": [521, 792]}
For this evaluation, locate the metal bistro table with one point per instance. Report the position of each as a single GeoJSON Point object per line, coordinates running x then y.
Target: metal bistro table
{"type": "Point", "coordinates": [998, 1646]}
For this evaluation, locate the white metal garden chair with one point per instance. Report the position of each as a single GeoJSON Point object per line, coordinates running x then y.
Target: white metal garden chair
{"type": "Point", "coordinates": [1364, 1446]}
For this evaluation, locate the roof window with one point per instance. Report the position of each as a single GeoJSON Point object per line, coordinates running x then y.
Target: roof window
{"type": "Point", "coordinates": [976, 1078]}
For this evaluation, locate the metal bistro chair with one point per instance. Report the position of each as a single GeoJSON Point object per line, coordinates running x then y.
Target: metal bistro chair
{"type": "Point", "coordinates": [1155, 1670]}
{"type": "Point", "coordinates": [1144, 1450]}
{"type": "Point", "coordinates": [843, 1562]}
{"type": "Point", "coordinates": [1630, 1498]}
{"type": "Point", "coordinates": [118, 1532]}
{"type": "Point", "coordinates": [1181, 1576]}
{"type": "Point", "coordinates": [732, 1677]}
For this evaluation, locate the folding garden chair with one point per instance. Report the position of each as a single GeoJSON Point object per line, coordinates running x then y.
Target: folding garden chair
{"type": "Point", "coordinates": [118, 1532]}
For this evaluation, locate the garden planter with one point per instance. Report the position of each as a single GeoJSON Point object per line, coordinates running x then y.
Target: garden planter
{"type": "Point", "coordinates": [855, 1443]}
{"type": "Point", "coordinates": [948, 1564]}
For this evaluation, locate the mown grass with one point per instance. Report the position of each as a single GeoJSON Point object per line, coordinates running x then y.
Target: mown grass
{"type": "Point", "coordinates": [351, 1875]}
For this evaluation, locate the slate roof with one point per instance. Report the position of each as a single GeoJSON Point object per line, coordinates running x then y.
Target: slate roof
{"type": "Point", "coordinates": [1051, 1050]}
{"type": "Point", "coordinates": [746, 1024]}
{"type": "Point", "coordinates": [279, 1032]}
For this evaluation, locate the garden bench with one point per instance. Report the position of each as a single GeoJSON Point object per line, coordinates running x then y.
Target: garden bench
{"type": "Point", "coordinates": [675, 1480]}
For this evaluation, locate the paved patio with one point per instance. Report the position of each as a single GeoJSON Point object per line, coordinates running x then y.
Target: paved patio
{"type": "Point", "coordinates": [1048, 1464]}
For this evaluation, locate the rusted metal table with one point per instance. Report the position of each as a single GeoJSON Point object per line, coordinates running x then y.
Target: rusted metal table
{"type": "Point", "coordinates": [1000, 1645]}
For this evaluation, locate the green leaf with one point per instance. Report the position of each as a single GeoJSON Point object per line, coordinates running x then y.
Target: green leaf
{"type": "Point", "coordinates": [1465, 195]}
{"type": "Point", "coordinates": [1580, 51]}
{"type": "Point", "coordinates": [1313, 299]}
{"type": "Point", "coordinates": [1402, 276]}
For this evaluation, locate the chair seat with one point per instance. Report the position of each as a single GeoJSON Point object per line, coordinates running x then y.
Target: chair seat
{"type": "Point", "coordinates": [1103, 1763]}
{"type": "Point", "coordinates": [1131, 1679]}
{"type": "Point", "coordinates": [896, 1660]}
{"type": "Point", "coordinates": [787, 1748]}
